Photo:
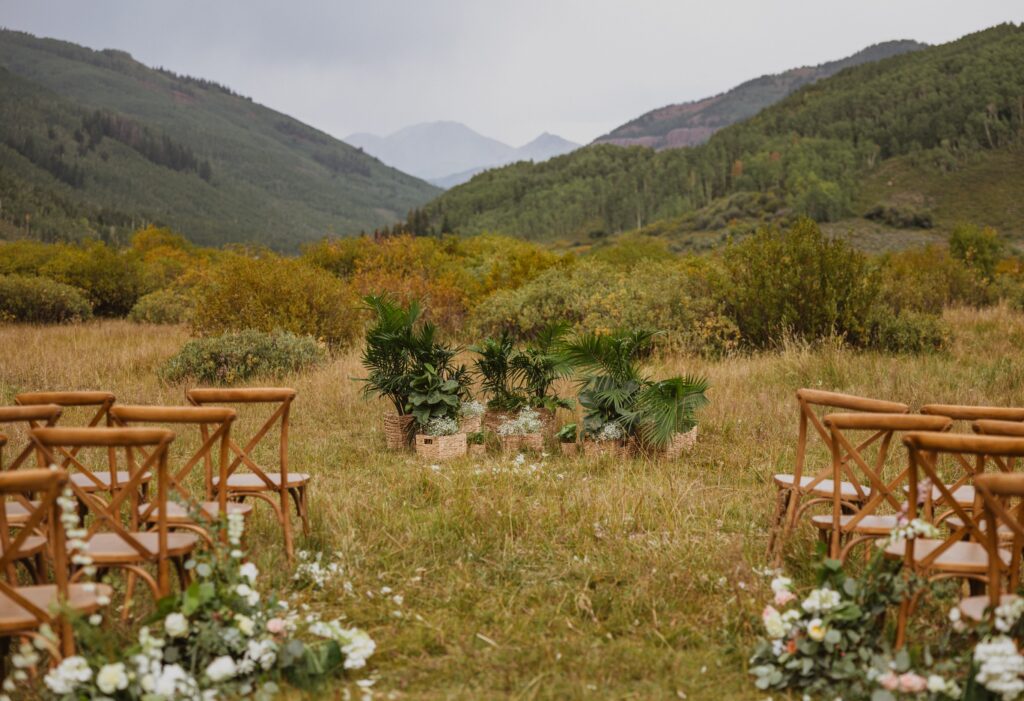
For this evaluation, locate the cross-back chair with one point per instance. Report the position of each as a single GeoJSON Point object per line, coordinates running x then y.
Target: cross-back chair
{"type": "Point", "coordinates": [24, 609]}
{"type": "Point", "coordinates": [965, 414]}
{"type": "Point", "coordinates": [97, 407]}
{"type": "Point", "coordinates": [816, 485]}
{"type": "Point", "coordinates": [114, 537]}
{"type": "Point", "coordinates": [273, 486]}
{"type": "Point", "coordinates": [964, 552]}
{"type": "Point", "coordinates": [878, 513]}
{"type": "Point", "coordinates": [213, 426]}
{"type": "Point", "coordinates": [1002, 499]}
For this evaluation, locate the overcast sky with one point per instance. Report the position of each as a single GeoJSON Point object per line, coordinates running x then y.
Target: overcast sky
{"type": "Point", "coordinates": [510, 69]}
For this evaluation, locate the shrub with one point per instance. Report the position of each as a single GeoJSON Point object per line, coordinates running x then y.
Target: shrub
{"type": "Point", "coordinates": [26, 257]}
{"type": "Point", "coordinates": [907, 331]}
{"type": "Point", "coordinates": [111, 279]}
{"type": "Point", "coordinates": [162, 307]}
{"type": "Point", "coordinates": [979, 248]}
{"type": "Point", "coordinates": [271, 293]}
{"type": "Point", "coordinates": [41, 301]}
{"type": "Point", "coordinates": [799, 282]}
{"type": "Point", "coordinates": [237, 357]}
{"type": "Point", "coordinates": [929, 279]}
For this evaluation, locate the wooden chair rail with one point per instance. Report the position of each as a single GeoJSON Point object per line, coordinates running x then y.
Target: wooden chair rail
{"type": "Point", "coordinates": [211, 395]}
{"type": "Point", "coordinates": [989, 427]}
{"type": "Point", "coordinates": [74, 398]}
{"type": "Point", "coordinates": [172, 414]}
{"type": "Point", "coordinates": [1003, 446]}
{"type": "Point", "coordinates": [888, 422]}
{"type": "Point", "coordinates": [849, 401]}
{"type": "Point", "coordinates": [32, 412]}
{"type": "Point", "coordinates": [962, 412]}
{"type": "Point", "coordinates": [102, 437]}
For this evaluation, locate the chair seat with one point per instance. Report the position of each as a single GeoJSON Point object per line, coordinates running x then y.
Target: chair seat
{"type": "Point", "coordinates": [955, 522]}
{"type": "Point", "coordinates": [178, 513]}
{"type": "Point", "coordinates": [823, 488]}
{"type": "Point", "coordinates": [14, 618]}
{"type": "Point", "coordinates": [869, 525]}
{"type": "Point", "coordinates": [960, 557]}
{"type": "Point", "coordinates": [32, 546]}
{"type": "Point", "coordinates": [963, 495]}
{"type": "Point", "coordinates": [17, 513]}
{"type": "Point", "coordinates": [973, 607]}
{"type": "Point", "coordinates": [249, 482]}
{"type": "Point", "coordinates": [82, 480]}
{"type": "Point", "coordinates": [112, 549]}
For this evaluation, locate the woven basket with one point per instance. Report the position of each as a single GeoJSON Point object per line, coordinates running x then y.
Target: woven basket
{"type": "Point", "coordinates": [601, 449]}
{"type": "Point", "coordinates": [570, 450]}
{"type": "Point", "coordinates": [681, 443]}
{"type": "Point", "coordinates": [441, 447]}
{"type": "Point", "coordinates": [478, 450]}
{"type": "Point", "coordinates": [398, 431]}
{"type": "Point", "coordinates": [471, 424]}
{"type": "Point", "coordinates": [492, 419]}
{"type": "Point", "coordinates": [533, 442]}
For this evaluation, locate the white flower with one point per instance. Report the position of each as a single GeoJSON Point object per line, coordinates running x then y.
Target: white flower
{"type": "Point", "coordinates": [249, 571]}
{"type": "Point", "coordinates": [1000, 667]}
{"type": "Point", "coordinates": [821, 600]}
{"type": "Point", "coordinates": [528, 421]}
{"type": "Point", "coordinates": [773, 623]}
{"type": "Point", "coordinates": [65, 677]}
{"type": "Point", "coordinates": [611, 431]}
{"type": "Point", "coordinates": [251, 596]}
{"type": "Point", "coordinates": [442, 426]}
{"type": "Point", "coordinates": [176, 625]}
{"type": "Point", "coordinates": [245, 625]}
{"type": "Point", "coordinates": [221, 669]}
{"type": "Point", "coordinates": [780, 584]}
{"type": "Point", "coordinates": [262, 652]}
{"type": "Point", "coordinates": [111, 678]}
{"type": "Point", "coordinates": [816, 630]}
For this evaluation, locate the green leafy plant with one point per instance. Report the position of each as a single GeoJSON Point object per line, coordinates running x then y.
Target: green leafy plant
{"type": "Point", "coordinates": [236, 357]}
{"type": "Point", "coordinates": [614, 391]}
{"type": "Point", "coordinates": [390, 350]}
{"type": "Point", "coordinates": [40, 300]}
{"type": "Point", "coordinates": [567, 434]}
{"type": "Point", "coordinates": [477, 438]}
{"type": "Point", "coordinates": [541, 363]}
{"type": "Point", "coordinates": [497, 372]}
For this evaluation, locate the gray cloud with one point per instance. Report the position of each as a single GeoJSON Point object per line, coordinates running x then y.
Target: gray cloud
{"type": "Point", "coordinates": [510, 69]}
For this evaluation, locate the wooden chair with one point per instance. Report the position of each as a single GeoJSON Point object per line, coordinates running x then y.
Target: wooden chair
{"type": "Point", "coordinates": [863, 521]}
{"type": "Point", "coordinates": [24, 609]}
{"type": "Point", "coordinates": [35, 416]}
{"type": "Point", "coordinates": [214, 501]}
{"type": "Point", "coordinates": [963, 553]}
{"type": "Point", "coordinates": [816, 484]}
{"type": "Point", "coordinates": [963, 490]}
{"type": "Point", "coordinates": [89, 479]}
{"type": "Point", "coordinates": [272, 486]}
{"type": "Point", "coordinates": [115, 540]}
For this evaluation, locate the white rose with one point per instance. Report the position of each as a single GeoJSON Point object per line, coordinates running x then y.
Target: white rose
{"type": "Point", "coordinates": [176, 625]}
{"type": "Point", "coordinates": [816, 630]}
{"type": "Point", "coordinates": [245, 624]}
{"type": "Point", "coordinates": [111, 678]}
{"type": "Point", "coordinates": [221, 668]}
{"type": "Point", "coordinates": [249, 571]}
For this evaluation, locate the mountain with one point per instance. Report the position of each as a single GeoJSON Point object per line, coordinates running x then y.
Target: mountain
{"type": "Point", "coordinates": [93, 143]}
{"type": "Point", "coordinates": [692, 123]}
{"type": "Point", "coordinates": [931, 117]}
{"type": "Point", "coordinates": [450, 153]}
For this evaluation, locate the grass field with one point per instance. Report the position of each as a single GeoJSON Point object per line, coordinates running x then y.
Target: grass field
{"type": "Point", "coordinates": [556, 578]}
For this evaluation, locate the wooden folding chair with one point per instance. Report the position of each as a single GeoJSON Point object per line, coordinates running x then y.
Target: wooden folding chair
{"type": "Point", "coordinates": [213, 502]}
{"type": "Point", "coordinates": [794, 488]}
{"type": "Point", "coordinates": [963, 491]}
{"type": "Point", "coordinates": [114, 536]}
{"type": "Point", "coordinates": [35, 416]}
{"type": "Point", "coordinates": [90, 479]}
{"type": "Point", "coordinates": [964, 552]}
{"type": "Point", "coordinates": [867, 520]}
{"type": "Point", "coordinates": [261, 482]}
{"type": "Point", "coordinates": [24, 609]}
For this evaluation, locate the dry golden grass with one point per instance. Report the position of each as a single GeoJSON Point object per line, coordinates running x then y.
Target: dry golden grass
{"type": "Point", "coordinates": [568, 580]}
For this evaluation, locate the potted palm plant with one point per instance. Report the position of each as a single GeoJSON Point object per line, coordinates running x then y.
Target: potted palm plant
{"type": "Point", "coordinates": [498, 379]}
{"type": "Point", "coordinates": [567, 439]}
{"type": "Point", "coordinates": [539, 364]}
{"type": "Point", "coordinates": [621, 405]}
{"type": "Point", "coordinates": [438, 387]}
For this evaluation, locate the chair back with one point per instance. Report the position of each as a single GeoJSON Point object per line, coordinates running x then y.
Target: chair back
{"type": "Point", "coordinates": [206, 419]}
{"type": "Point", "coordinates": [814, 404]}
{"type": "Point", "coordinates": [96, 406]}
{"type": "Point", "coordinates": [852, 462]}
{"type": "Point", "coordinates": [153, 444]}
{"type": "Point", "coordinates": [1002, 497]}
{"type": "Point", "coordinates": [33, 416]}
{"type": "Point", "coordinates": [275, 403]}
{"type": "Point", "coordinates": [973, 454]}
{"type": "Point", "coordinates": [43, 516]}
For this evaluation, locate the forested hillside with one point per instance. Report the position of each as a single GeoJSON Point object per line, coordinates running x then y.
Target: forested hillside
{"type": "Point", "coordinates": [692, 123]}
{"type": "Point", "coordinates": [96, 144]}
{"type": "Point", "coordinates": [940, 110]}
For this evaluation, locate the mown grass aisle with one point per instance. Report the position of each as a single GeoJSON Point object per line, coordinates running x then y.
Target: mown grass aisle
{"type": "Point", "coordinates": [553, 578]}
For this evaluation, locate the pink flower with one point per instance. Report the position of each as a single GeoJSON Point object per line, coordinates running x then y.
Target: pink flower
{"type": "Point", "coordinates": [913, 683]}
{"type": "Point", "coordinates": [889, 681]}
{"type": "Point", "coordinates": [275, 626]}
{"type": "Point", "coordinates": [784, 597]}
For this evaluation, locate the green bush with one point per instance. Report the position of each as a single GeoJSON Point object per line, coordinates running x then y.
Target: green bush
{"type": "Point", "coordinates": [271, 293]}
{"type": "Point", "coordinates": [162, 307]}
{"type": "Point", "coordinates": [41, 301]}
{"type": "Point", "coordinates": [979, 248]}
{"type": "Point", "coordinates": [237, 357]}
{"type": "Point", "coordinates": [907, 331]}
{"type": "Point", "coordinates": [930, 279]}
{"type": "Point", "coordinates": [797, 282]}
{"type": "Point", "coordinates": [111, 279]}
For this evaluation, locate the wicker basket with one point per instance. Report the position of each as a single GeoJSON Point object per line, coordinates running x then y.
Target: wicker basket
{"type": "Point", "coordinates": [492, 419]}
{"type": "Point", "coordinates": [570, 450]}
{"type": "Point", "coordinates": [441, 447]}
{"type": "Point", "coordinates": [471, 424]}
{"type": "Point", "coordinates": [601, 449]}
{"type": "Point", "coordinates": [533, 442]}
{"type": "Point", "coordinates": [398, 431]}
{"type": "Point", "coordinates": [681, 443]}
{"type": "Point", "coordinates": [477, 450]}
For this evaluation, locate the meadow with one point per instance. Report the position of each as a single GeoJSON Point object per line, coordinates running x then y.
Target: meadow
{"type": "Point", "coordinates": [554, 577]}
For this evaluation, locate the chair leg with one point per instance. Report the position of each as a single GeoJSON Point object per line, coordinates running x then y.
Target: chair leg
{"type": "Point", "coordinates": [129, 592]}
{"type": "Point", "coordinates": [781, 500]}
{"type": "Point", "coordinates": [299, 497]}
{"type": "Point", "coordinates": [286, 526]}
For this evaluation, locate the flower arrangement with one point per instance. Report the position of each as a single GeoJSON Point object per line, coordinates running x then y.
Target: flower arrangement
{"type": "Point", "coordinates": [610, 431]}
{"type": "Point", "coordinates": [218, 638]}
{"type": "Point", "coordinates": [441, 426]}
{"type": "Point", "coordinates": [471, 409]}
{"type": "Point", "coordinates": [526, 422]}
